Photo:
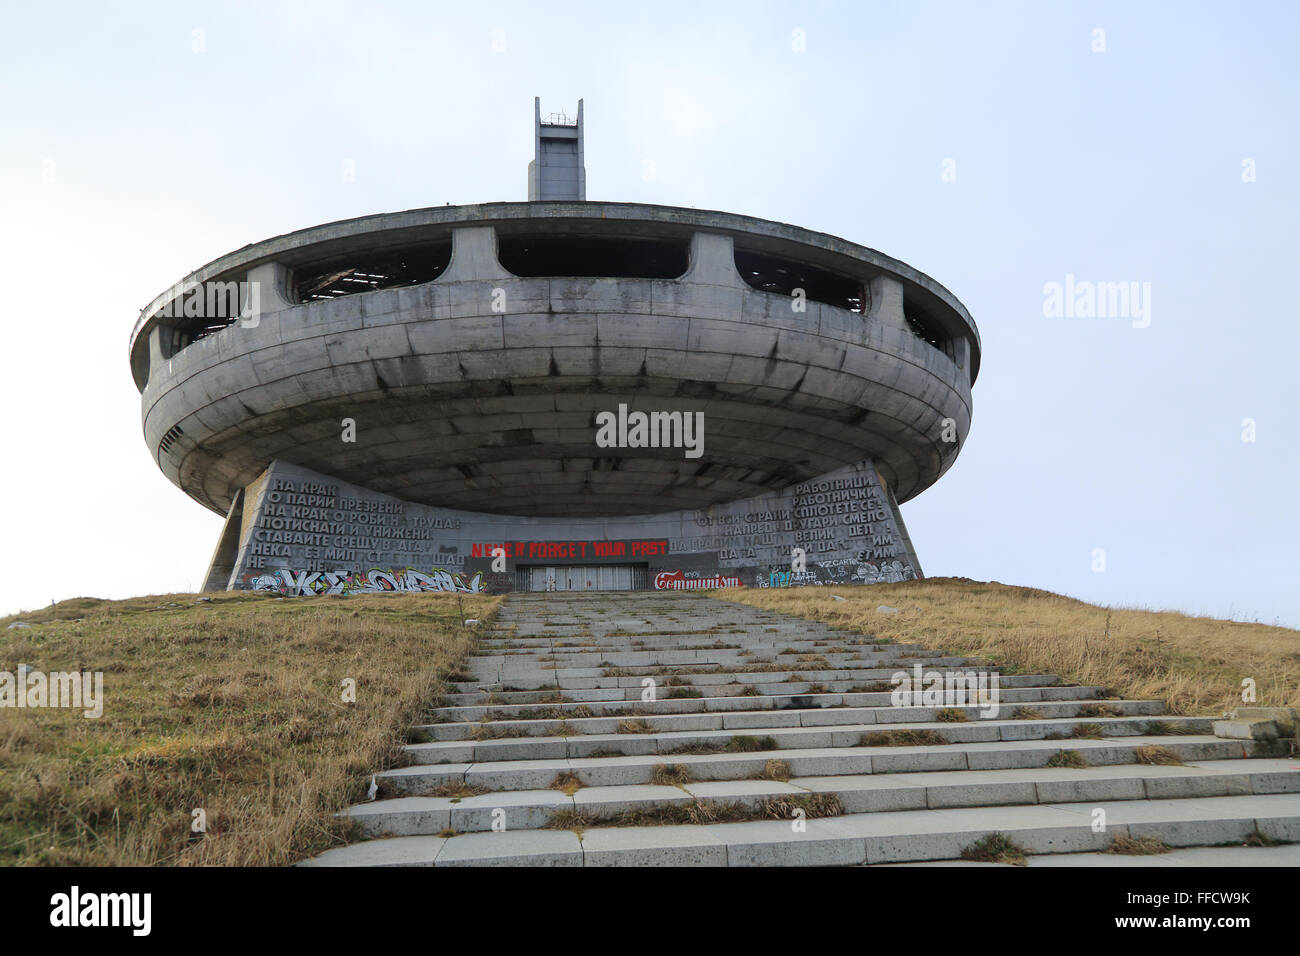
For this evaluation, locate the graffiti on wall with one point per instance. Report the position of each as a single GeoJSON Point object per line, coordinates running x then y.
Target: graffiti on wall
{"type": "Point", "coordinates": [845, 571]}
{"type": "Point", "coordinates": [374, 581]}
{"type": "Point", "coordinates": [678, 581]}
{"type": "Point", "coordinates": [889, 572]}
{"type": "Point", "coordinates": [845, 523]}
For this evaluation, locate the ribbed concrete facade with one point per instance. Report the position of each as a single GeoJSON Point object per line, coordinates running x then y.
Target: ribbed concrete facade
{"type": "Point", "coordinates": [478, 390]}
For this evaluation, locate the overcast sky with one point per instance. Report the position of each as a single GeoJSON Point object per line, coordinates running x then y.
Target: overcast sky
{"type": "Point", "coordinates": [998, 148]}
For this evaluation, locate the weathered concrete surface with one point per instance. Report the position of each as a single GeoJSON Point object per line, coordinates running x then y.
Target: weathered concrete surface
{"type": "Point", "coordinates": [478, 390]}
{"type": "Point", "coordinates": [1188, 857]}
{"type": "Point", "coordinates": [1246, 729]}
{"type": "Point", "coordinates": [558, 170]}
{"type": "Point", "coordinates": [555, 693]}
{"type": "Point", "coordinates": [300, 532]}
{"type": "Point", "coordinates": [1287, 719]}
{"type": "Point", "coordinates": [365, 232]}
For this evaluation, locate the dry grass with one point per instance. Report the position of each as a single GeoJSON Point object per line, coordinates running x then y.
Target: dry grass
{"type": "Point", "coordinates": [671, 775]}
{"type": "Point", "coordinates": [1070, 759]}
{"type": "Point", "coordinates": [1163, 728]}
{"type": "Point", "coordinates": [776, 770]}
{"type": "Point", "coordinates": [812, 805]}
{"type": "Point", "coordinates": [1125, 845]}
{"type": "Point", "coordinates": [1100, 710]}
{"type": "Point", "coordinates": [1195, 664]}
{"type": "Point", "coordinates": [1157, 756]}
{"type": "Point", "coordinates": [995, 848]}
{"type": "Point", "coordinates": [902, 738]}
{"type": "Point", "coordinates": [484, 732]}
{"type": "Point", "coordinates": [567, 782]}
{"type": "Point", "coordinates": [701, 812]}
{"type": "Point", "coordinates": [456, 791]}
{"type": "Point", "coordinates": [232, 706]}
{"type": "Point", "coordinates": [695, 748]}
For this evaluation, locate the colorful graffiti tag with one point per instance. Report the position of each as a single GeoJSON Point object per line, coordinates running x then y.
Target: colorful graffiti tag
{"type": "Point", "coordinates": [374, 581]}
{"type": "Point", "coordinates": [678, 581]}
{"type": "Point", "coordinates": [844, 571]}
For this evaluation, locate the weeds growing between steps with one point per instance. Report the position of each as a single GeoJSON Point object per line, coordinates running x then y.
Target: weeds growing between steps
{"type": "Point", "coordinates": [702, 812]}
{"type": "Point", "coordinates": [232, 706]}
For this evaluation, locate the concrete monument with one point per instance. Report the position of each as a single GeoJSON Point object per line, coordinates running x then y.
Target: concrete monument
{"type": "Point", "coordinates": [555, 394]}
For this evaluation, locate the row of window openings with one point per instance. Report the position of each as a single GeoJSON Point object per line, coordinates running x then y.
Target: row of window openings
{"type": "Point", "coordinates": [553, 257]}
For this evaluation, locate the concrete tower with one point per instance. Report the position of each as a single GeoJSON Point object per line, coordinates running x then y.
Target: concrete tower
{"type": "Point", "coordinates": [558, 172]}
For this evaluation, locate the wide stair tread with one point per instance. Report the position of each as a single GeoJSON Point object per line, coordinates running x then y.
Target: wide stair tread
{"type": "Point", "coordinates": [848, 840]}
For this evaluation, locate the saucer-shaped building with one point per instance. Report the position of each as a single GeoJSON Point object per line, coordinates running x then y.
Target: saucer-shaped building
{"type": "Point", "coordinates": [415, 400]}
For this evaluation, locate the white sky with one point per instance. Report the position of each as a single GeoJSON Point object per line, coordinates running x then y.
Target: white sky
{"type": "Point", "coordinates": [128, 159]}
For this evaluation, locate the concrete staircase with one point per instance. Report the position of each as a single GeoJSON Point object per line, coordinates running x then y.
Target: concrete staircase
{"type": "Point", "coordinates": [773, 741]}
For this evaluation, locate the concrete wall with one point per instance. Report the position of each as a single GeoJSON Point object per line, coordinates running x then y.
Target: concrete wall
{"type": "Point", "coordinates": [309, 533]}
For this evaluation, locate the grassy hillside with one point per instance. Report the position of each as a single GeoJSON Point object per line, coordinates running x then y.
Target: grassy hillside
{"type": "Point", "coordinates": [232, 705]}
{"type": "Point", "coordinates": [1196, 664]}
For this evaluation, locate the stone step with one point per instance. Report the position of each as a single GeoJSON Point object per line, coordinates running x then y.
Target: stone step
{"type": "Point", "coordinates": [627, 740]}
{"type": "Point", "coordinates": [636, 657]}
{"type": "Point", "coordinates": [733, 643]}
{"type": "Point", "coordinates": [787, 690]}
{"type": "Point", "coordinates": [623, 707]}
{"type": "Point", "coordinates": [548, 684]}
{"type": "Point", "coordinates": [700, 673]}
{"type": "Point", "coordinates": [538, 774]}
{"type": "Point", "coordinates": [736, 637]}
{"type": "Point", "coordinates": [856, 793]}
{"type": "Point", "coordinates": [757, 719]}
{"type": "Point", "coordinates": [1213, 856]}
{"type": "Point", "coordinates": [686, 643]}
{"type": "Point", "coordinates": [849, 840]}
{"type": "Point", "coordinates": [697, 674]}
{"type": "Point", "coordinates": [611, 654]}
